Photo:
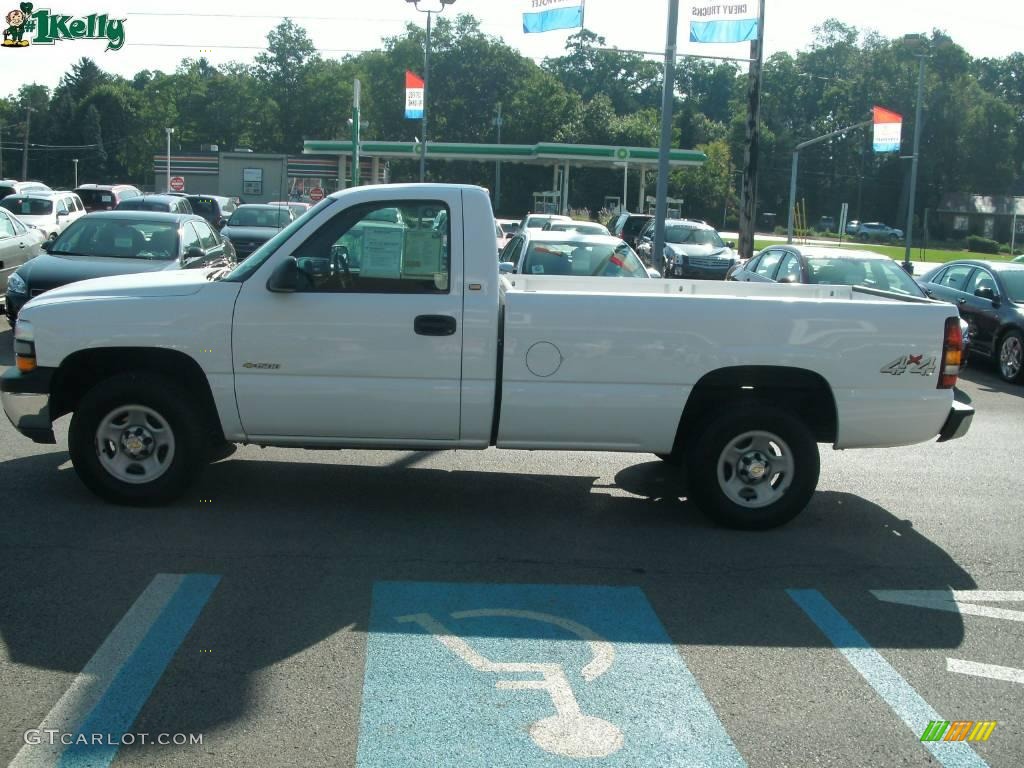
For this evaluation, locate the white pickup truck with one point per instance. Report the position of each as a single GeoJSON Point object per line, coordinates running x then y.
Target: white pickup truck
{"type": "Point", "coordinates": [363, 326]}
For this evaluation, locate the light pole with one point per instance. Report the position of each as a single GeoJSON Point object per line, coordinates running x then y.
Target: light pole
{"type": "Point", "coordinates": [498, 121]}
{"type": "Point", "coordinates": [169, 132]}
{"type": "Point", "coordinates": [24, 150]}
{"type": "Point", "coordinates": [426, 77]}
{"type": "Point", "coordinates": [919, 40]}
{"type": "Point", "coordinates": [74, 162]}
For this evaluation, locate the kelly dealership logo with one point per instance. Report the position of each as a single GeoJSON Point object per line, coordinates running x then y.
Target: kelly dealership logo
{"type": "Point", "coordinates": [50, 27]}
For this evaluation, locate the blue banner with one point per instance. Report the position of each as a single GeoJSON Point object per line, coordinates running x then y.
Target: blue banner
{"type": "Point", "coordinates": [733, 31]}
{"type": "Point", "coordinates": [553, 18]}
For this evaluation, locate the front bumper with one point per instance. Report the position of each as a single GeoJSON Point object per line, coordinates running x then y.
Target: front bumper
{"type": "Point", "coordinates": [26, 401]}
{"type": "Point", "coordinates": [694, 272]}
{"type": "Point", "coordinates": [957, 423]}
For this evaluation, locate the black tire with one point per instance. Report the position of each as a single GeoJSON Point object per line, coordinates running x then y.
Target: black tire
{"type": "Point", "coordinates": [1008, 357]}
{"type": "Point", "coordinates": [168, 400]}
{"type": "Point", "coordinates": [791, 490]}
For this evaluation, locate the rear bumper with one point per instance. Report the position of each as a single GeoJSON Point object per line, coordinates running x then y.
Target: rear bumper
{"type": "Point", "coordinates": [957, 423]}
{"type": "Point", "coordinates": [26, 401]}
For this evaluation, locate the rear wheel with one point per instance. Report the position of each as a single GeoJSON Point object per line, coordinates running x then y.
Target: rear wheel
{"type": "Point", "coordinates": [134, 440]}
{"type": "Point", "coordinates": [1011, 357]}
{"type": "Point", "coordinates": [753, 469]}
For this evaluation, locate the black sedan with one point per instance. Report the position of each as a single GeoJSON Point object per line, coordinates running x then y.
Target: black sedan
{"type": "Point", "coordinates": [251, 225]}
{"type": "Point", "coordinates": [990, 296]}
{"type": "Point", "coordinates": [118, 243]}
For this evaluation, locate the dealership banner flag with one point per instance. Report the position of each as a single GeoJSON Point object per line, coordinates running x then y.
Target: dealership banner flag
{"type": "Point", "coordinates": [888, 130]}
{"type": "Point", "coordinates": [724, 22]}
{"type": "Point", "coordinates": [546, 15]}
{"type": "Point", "coordinates": [413, 96]}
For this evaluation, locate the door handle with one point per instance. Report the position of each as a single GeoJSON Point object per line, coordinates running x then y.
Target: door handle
{"type": "Point", "coordinates": [434, 325]}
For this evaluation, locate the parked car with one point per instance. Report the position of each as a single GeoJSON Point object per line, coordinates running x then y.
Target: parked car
{"type": "Point", "coordinates": [252, 225]}
{"type": "Point", "coordinates": [1019, 260]}
{"type": "Point", "coordinates": [15, 187]}
{"type": "Point", "coordinates": [693, 249]}
{"type": "Point", "coordinates": [105, 197]}
{"type": "Point", "coordinates": [18, 244]}
{"type": "Point", "coordinates": [826, 224]}
{"type": "Point", "coordinates": [118, 243]}
{"type": "Point", "coordinates": [738, 383]}
{"type": "Point", "coordinates": [583, 227]}
{"type": "Point", "coordinates": [570, 253]}
{"type": "Point", "coordinates": [505, 230]}
{"type": "Point", "coordinates": [877, 232]}
{"type": "Point", "coordinates": [49, 212]}
{"type": "Point", "coordinates": [157, 203]}
{"type": "Point", "coordinates": [298, 208]}
{"type": "Point", "coordinates": [852, 226]}
{"type": "Point", "coordinates": [214, 208]}
{"type": "Point", "coordinates": [628, 226]}
{"type": "Point", "coordinates": [990, 297]}
{"type": "Point", "coordinates": [538, 220]}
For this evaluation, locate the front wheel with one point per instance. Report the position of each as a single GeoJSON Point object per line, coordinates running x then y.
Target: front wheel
{"type": "Point", "coordinates": [1011, 357]}
{"type": "Point", "coordinates": [753, 469]}
{"type": "Point", "coordinates": [134, 440]}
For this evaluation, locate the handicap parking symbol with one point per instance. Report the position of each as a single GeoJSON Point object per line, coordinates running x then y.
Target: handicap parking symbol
{"type": "Point", "coordinates": [529, 675]}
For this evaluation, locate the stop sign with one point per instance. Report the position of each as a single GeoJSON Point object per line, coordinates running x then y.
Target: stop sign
{"type": "Point", "coordinates": [177, 184]}
{"type": "Point", "coordinates": [316, 194]}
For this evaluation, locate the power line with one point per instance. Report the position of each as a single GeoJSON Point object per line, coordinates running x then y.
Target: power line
{"type": "Point", "coordinates": [206, 47]}
{"type": "Point", "coordinates": [347, 19]}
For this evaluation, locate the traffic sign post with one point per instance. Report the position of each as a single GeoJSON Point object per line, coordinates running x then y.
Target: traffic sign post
{"type": "Point", "coordinates": [177, 184]}
{"type": "Point", "coordinates": [316, 194]}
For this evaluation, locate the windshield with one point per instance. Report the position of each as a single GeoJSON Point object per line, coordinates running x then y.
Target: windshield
{"type": "Point", "coordinates": [275, 217]}
{"type": "Point", "coordinates": [144, 204]}
{"type": "Point", "coordinates": [880, 274]}
{"type": "Point", "coordinates": [204, 207]}
{"type": "Point", "coordinates": [119, 238]}
{"type": "Point", "coordinates": [578, 226]}
{"type": "Point", "coordinates": [96, 198]}
{"type": "Point", "coordinates": [27, 206]}
{"type": "Point", "coordinates": [582, 259]}
{"type": "Point", "coordinates": [684, 235]}
{"type": "Point", "coordinates": [257, 258]}
{"type": "Point", "coordinates": [1013, 281]}
{"type": "Point", "coordinates": [510, 227]}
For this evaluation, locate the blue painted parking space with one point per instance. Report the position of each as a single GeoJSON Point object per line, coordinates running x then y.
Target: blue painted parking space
{"type": "Point", "coordinates": [529, 675]}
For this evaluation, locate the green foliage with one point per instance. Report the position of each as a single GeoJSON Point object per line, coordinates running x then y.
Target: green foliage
{"type": "Point", "coordinates": [978, 244]}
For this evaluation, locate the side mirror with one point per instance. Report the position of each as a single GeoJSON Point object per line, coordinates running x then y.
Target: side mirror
{"type": "Point", "coordinates": [194, 254]}
{"type": "Point", "coordinates": [47, 245]}
{"type": "Point", "coordinates": [731, 244]}
{"type": "Point", "coordinates": [220, 223]}
{"type": "Point", "coordinates": [61, 214]}
{"type": "Point", "coordinates": [286, 278]}
{"type": "Point", "coordinates": [506, 267]}
{"type": "Point", "coordinates": [652, 272]}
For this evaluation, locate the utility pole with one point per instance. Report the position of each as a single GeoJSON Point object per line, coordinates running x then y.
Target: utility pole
{"type": "Point", "coordinates": [667, 99]}
{"type": "Point", "coordinates": [169, 132]}
{"type": "Point", "coordinates": [498, 121]}
{"type": "Point", "coordinates": [913, 165]}
{"type": "Point", "coordinates": [1, 151]}
{"type": "Point", "coordinates": [357, 90]}
{"type": "Point", "coordinates": [748, 202]}
{"type": "Point", "coordinates": [426, 90]}
{"type": "Point", "coordinates": [24, 150]}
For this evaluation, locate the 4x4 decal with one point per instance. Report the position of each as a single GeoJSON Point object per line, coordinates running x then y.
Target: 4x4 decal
{"type": "Point", "coordinates": [925, 366]}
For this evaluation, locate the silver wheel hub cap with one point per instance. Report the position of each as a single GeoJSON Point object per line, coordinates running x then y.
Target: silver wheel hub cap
{"type": "Point", "coordinates": [135, 444]}
{"type": "Point", "coordinates": [1010, 357]}
{"type": "Point", "coordinates": [755, 469]}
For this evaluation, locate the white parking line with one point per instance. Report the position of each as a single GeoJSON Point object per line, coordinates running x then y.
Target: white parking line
{"type": "Point", "coordinates": [991, 671]}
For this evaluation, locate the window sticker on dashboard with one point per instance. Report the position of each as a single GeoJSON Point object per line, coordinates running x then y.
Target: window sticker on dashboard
{"type": "Point", "coordinates": [537, 269]}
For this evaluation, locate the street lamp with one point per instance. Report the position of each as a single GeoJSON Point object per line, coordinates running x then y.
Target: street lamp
{"type": "Point", "coordinates": [74, 161]}
{"type": "Point", "coordinates": [426, 76]}
{"type": "Point", "coordinates": [169, 132]}
{"type": "Point", "coordinates": [917, 40]}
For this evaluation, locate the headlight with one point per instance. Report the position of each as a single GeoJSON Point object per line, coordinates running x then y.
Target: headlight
{"type": "Point", "coordinates": [15, 284]}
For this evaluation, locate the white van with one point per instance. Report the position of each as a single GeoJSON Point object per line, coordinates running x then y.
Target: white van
{"type": "Point", "coordinates": [49, 212]}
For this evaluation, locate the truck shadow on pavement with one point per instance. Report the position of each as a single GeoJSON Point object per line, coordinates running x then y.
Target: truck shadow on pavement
{"type": "Point", "coordinates": [985, 375]}
{"type": "Point", "coordinates": [299, 547]}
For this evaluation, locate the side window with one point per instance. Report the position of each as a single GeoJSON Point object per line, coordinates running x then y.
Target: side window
{"type": "Point", "coordinates": [981, 279]}
{"type": "Point", "coordinates": [789, 272]}
{"type": "Point", "coordinates": [393, 247]}
{"type": "Point", "coordinates": [62, 205]}
{"type": "Point", "coordinates": [769, 260]}
{"type": "Point", "coordinates": [19, 228]}
{"type": "Point", "coordinates": [6, 227]}
{"type": "Point", "coordinates": [207, 238]}
{"type": "Point", "coordinates": [513, 251]}
{"type": "Point", "coordinates": [78, 203]}
{"type": "Point", "coordinates": [189, 238]}
{"type": "Point", "coordinates": [956, 277]}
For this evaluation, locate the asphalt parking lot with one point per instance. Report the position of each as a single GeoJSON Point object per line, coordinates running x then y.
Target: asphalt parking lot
{"type": "Point", "coordinates": [517, 609]}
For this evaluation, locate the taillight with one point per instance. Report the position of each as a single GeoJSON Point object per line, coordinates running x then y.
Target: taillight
{"type": "Point", "coordinates": [952, 351]}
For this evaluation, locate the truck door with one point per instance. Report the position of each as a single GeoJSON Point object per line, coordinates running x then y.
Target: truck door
{"type": "Point", "coordinates": [368, 345]}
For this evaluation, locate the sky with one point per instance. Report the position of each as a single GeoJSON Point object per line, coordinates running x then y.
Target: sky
{"type": "Point", "coordinates": [156, 38]}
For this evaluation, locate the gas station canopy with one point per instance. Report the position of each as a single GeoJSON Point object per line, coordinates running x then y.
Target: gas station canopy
{"type": "Point", "coordinates": [537, 154]}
